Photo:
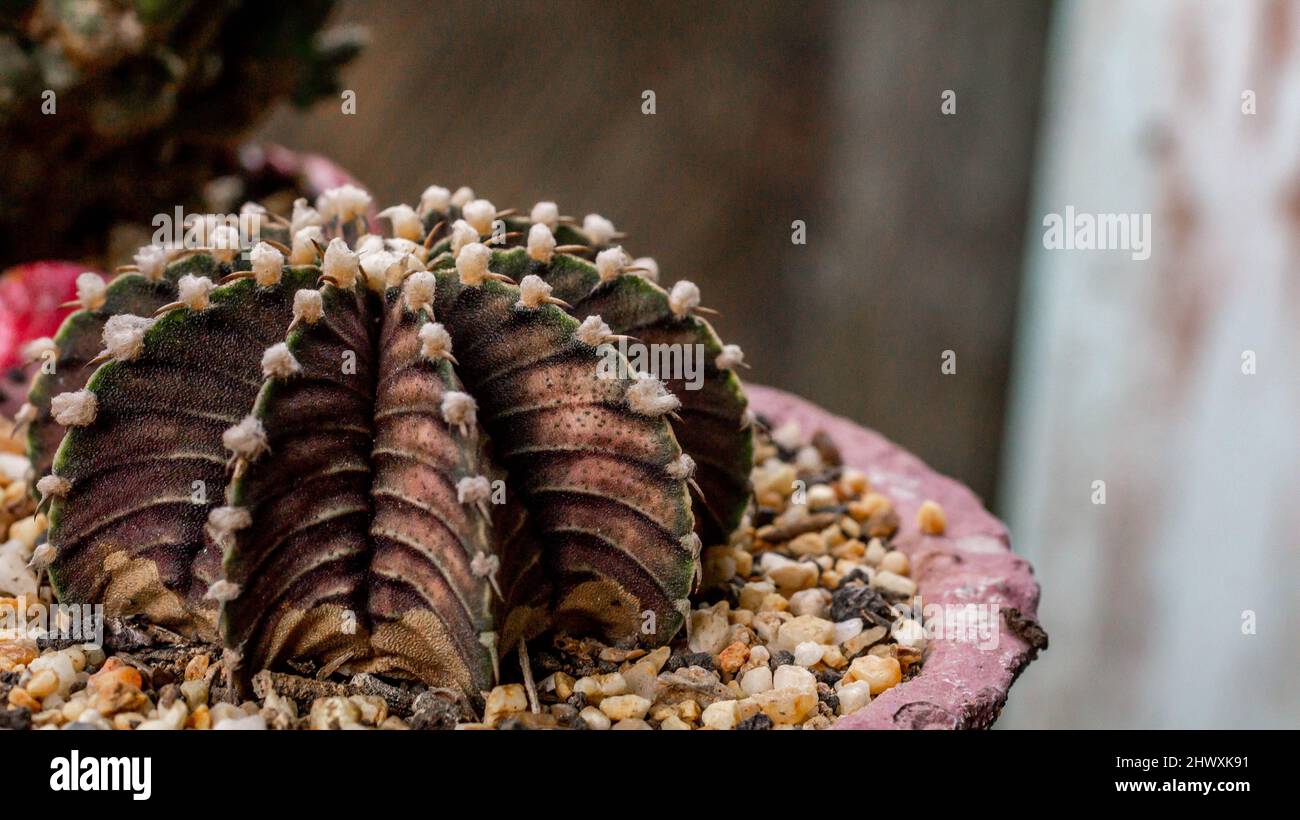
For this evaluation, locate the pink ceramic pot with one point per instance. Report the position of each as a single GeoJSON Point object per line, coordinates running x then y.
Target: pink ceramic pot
{"type": "Point", "coordinates": [964, 680]}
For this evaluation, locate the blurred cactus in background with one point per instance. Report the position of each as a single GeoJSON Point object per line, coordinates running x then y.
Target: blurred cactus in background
{"type": "Point", "coordinates": [96, 96]}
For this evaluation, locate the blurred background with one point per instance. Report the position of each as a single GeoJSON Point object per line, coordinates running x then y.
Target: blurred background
{"type": "Point", "coordinates": [917, 146]}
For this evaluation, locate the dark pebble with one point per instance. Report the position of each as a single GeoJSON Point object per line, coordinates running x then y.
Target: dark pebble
{"type": "Point", "coordinates": [82, 727]}
{"type": "Point", "coordinates": [168, 695]}
{"type": "Point", "coordinates": [564, 713]}
{"type": "Point", "coordinates": [757, 722]}
{"type": "Point", "coordinates": [780, 658]}
{"type": "Point", "coordinates": [546, 661]}
{"type": "Point", "coordinates": [859, 601]}
{"type": "Point", "coordinates": [19, 718]}
{"type": "Point", "coordinates": [701, 659]}
{"type": "Point", "coordinates": [578, 701]}
{"type": "Point", "coordinates": [826, 695]}
{"type": "Point", "coordinates": [828, 677]}
{"type": "Point", "coordinates": [513, 724]}
{"type": "Point", "coordinates": [432, 712]}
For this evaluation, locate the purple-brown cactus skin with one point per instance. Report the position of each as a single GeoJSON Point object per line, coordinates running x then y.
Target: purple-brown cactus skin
{"type": "Point", "coordinates": [399, 456]}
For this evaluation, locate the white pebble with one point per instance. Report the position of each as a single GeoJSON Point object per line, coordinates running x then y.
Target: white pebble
{"type": "Point", "coordinates": [847, 630]}
{"type": "Point", "coordinates": [809, 602]}
{"type": "Point", "coordinates": [720, 715]}
{"type": "Point", "coordinates": [758, 679]}
{"type": "Point", "coordinates": [853, 696]}
{"type": "Point", "coordinates": [595, 718]}
{"type": "Point", "coordinates": [808, 654]}
{"type": "Point", "coordinates": [892, 582]}
{"type": "Point", "coordinates": [794, 677]}
{"type": "Point", "coordinates": [249, 723]}
{"type": "Point", "coordinates": [624, 707]}
{"type": "Point", "coordinates": [910, 634]}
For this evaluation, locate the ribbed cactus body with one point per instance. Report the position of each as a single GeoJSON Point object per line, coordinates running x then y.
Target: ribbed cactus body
{"type": "Point", "coordinates": [393, 455]}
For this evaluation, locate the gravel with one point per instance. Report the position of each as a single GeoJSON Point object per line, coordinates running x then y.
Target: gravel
{"type": "Point", "coordinates": [794, 625]}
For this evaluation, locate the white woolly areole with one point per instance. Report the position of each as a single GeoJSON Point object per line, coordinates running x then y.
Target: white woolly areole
{"type": "Point", "coordinates": [472, 263]}
{"type": "Point", "coordinates": [382, 266]}
{"type": "Point", "coordinates": [406, 263]}
{"type": "Point", "coordinates": [464, 194]}
{"type": "Point", "coordinates": [224, 522]}
{"type": "Point", "coordinates": [681, 468]}
{"type": "Point", "coordinates": [610, 263]}
{"type": "Point", "coordinates": [345, 203]}
{"type": "Point", "coordinates": [435, 341]}
{"type": "Point", "coordinates": [546, 213]}
{"type": "Point", "coordinates": [92, 290]}
{"type": "Point", "coordinates": [42, 556]}
{"type": "Point", "coordinates": [691, 541]}
{"type": "Point", "coordinates": [473, 489]}
{"type": "Point", "coordinates": [247, 439]}
{"type": "Point", "coordinates": [533, 292]}
{"type": "Point", "coordinates": [649, 267]}
{"type": "Point", "coordinates": [341, 264]}
{"type": "Point", "coordinates": [279, 363]}
{"type": "Point", "coordinates": [598, 229]}
{"type": "Point", "coordinates": [124, 336]}
{"type": "Point", "coordinates": [406, 223]}
{"type": "Point", "coordinates": [462, 234]}
{"type": "Point", "coordinates": [541, 243]}
{"type": "Point", "coordinates": [193, 291]}
{"type": "Point", "coordinates": [479, 213]}
{"type": "Point", "coordinates": [152, 262]}
{"type": "Point", "coordinates": [268, 264]}
{"type": "Point", "coordinates": [684, 296]}
{"type": "Point", "coordinates": [484, 565]}
{"type": "Point", "coordinates": [308, 306]}
{"type": "Point", "coordinates": [419, 291]}
{"type": "Point", "coordinates": [304, 216]}
{"type": "Point", "coordinates": [224, 241]}
{"type": "Point", "coordinates": [75, 409]}
{"type": "Point", "coordinates": [40, 349]}
{"type": "Point", "coordinates": [435, 198]}
{"type": "Point", "coordinates": [222, 591]}
{"type": "Point", "coordinates": [304, 251]}
{"type": "Point", "coordinates": [52, 486]}
{"type": "Point", "coordinates": [593, 331]}
{"type": "Point", "coordinates": [368, 243]}
{"type": "Point", "coordinates": [459, 409]}
{"type": "Point", "coordinates": [730, 357]}
{"type": "Point", "coordinates": [649, 397]}
{"type": "Point", "coordinates": [406, 246]}
{"type": "Point", "coordinates": [25, 415]}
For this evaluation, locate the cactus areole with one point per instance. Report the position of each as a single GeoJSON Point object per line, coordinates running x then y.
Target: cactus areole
{"type": "Point", "coordinates": [401, 454]}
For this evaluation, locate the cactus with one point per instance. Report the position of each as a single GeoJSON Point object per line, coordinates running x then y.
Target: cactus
{"type": "Point", "coordinates": [95, 94]}
{"type": "Point", "coordinates": [400, 455]}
